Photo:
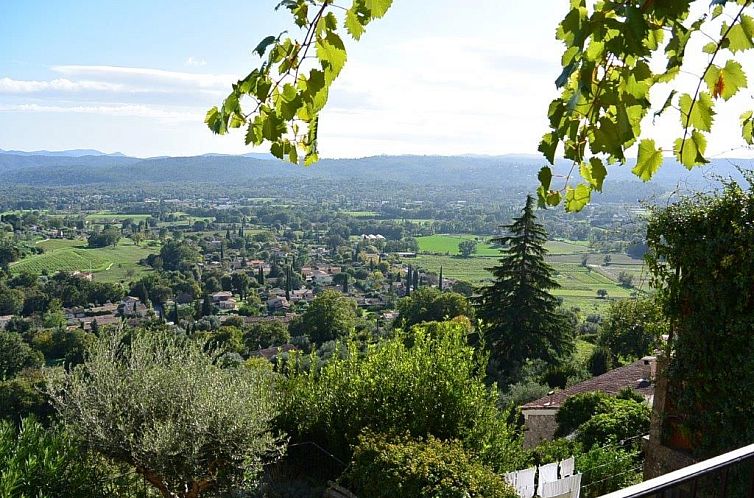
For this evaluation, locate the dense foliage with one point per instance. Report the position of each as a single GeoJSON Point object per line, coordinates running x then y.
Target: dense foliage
{"type": "Point", "coordinates": [700, 257]}
{"type": "Point", "coordinates": [386, 467]}
{"type": "Point", "coordinates": [163, 406]}
{"type": "Point", "coordinates": [633, 328]}
{"type": "Point", "coordinates": [428, 381]}
{"type": "Point", "coordinates": [45, 463]}
{"type": "Point", "coordinates": [429, 304]}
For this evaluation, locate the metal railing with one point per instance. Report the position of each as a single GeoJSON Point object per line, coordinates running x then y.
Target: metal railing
{"type": "Point", "coordinates": [728, 475]}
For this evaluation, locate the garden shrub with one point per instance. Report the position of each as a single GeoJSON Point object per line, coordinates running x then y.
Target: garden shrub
{"type": "Point", "coordinates": [389, 467]}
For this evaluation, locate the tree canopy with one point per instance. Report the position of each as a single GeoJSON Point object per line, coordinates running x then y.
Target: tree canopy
{"type": "Point", "coordinates": [616, 54]}
{"type": "Point", "coordinates": [163, 406]}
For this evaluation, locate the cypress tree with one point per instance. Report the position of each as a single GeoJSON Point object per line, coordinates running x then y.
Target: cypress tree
{"type": "Point", "coordinates": [416, 279]}
{"type": "Point", "coordinates": [207, 308]}
{"type": "Point", "coordinates": [345, 283]}
{"type": "Point", "coordinates": [288, 283]}
{"type": "Point", "coordinates": [520, 314]}
{"type": "Point", "coordinates": [260, 277]}
{"type": "Point", "coordinates": [175, 311]}
{"type": "Point", "coordinates": [409, 280]}
{"type": "Point", "coordinates": [440, 283]}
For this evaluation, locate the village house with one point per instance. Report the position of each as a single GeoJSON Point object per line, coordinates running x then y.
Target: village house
{"type": "Point", "coordinates": [540, 415]}
{"type": "Point", "coordinates": [132, 307]}
{"type": "Point", "coordinates": [278, 303]}
{"type": "Point", "coordinates": [4, 319]}
{"type": "Point", "coordinates": [224, 300]}
{"type": "Point", "coordinates": [301, 295]}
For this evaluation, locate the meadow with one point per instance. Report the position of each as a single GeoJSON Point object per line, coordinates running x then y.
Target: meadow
{"type": "Point", "coordinates": [110, 264]}
{"type": "Point", "coordinates": [579, 284]}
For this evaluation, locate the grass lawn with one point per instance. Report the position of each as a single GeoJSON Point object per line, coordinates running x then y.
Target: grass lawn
{"type": "Point", "coordinates": [361, 214]}
{"type": "Point", "coordinates": [579, 284]}
{"type": "Point", "coordinates": [448, 244]}
{"type": "Point", "coordinates": [107, 217]}
{"type": "Point", "coordinates": [110, 264]}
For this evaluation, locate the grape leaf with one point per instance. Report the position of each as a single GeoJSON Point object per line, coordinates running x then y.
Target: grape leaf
{"type": "Point", "coordinates": [692, 153]}
{"type": "Point", "coordinates": [577, 198]}
{"type": "Point", "coordinates": [725, 81]}
{"type": "Point", "coordinates": [648, 161]}
{"type": "Point", "coordinates": [699, 116]}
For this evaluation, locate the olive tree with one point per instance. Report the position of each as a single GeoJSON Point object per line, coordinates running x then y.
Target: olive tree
{"type": "Point", "coordinates": [164, 406]}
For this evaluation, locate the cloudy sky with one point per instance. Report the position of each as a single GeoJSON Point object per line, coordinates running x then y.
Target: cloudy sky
{"type": "Point", "coordinates": [432, 77]}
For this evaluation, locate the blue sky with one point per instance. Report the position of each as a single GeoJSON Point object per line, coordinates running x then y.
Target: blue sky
{"type": "Point", "coordinates": [137, 76]}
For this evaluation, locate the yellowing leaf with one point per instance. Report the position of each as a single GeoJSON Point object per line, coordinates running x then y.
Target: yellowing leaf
{"type": "Point", "coordinates": [726, 81]}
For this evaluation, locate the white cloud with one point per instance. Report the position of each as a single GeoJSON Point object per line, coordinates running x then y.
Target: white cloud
{"type": "Point", "coordinates": [193, 61]}
{"type": "Point", "coordinates": [115, 110]}
{"type": "Point", "coordinates": [8, 85]}
{"type": "Point", "coordinates": [147, 77]}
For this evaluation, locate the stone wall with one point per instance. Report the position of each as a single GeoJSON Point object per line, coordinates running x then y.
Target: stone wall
{"type": "Point", "coordinates": [540, 426]}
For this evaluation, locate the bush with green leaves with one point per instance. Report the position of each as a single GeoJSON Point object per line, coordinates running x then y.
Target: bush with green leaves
{"type": "Point", "coordinates": [579, 408]}
{"type": "Point", "coordinates": [24, 395]}
{"type": "Point", "coordinates": [633, 328]}
{"type": "Point", "coordinates": [428, 381]}
{"type": "Point", "coordinates": [389, 466]}
{"type": "Point", "coordinates": [15, 355]}
{"type": "Point", "coordinates": [45, 463]}
{"type": "Point", "coordinates": [429, 304]}
{"type": "Point", "coordinates": [163, 405]}
{"type": "Point", "coordinates": [599, 418]}
{"type": "Point", "coordinates": [626, 420]}
{"type": "Point", "coordinates": [608, 468]}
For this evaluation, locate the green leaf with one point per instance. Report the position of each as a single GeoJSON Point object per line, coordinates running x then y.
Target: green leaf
{"type": "Point", "coordinates": [726, 81]}
{"type": "Point", "coordinates": [599, 172]}
{"type": "Point", "coordinates": [548, 146]}
{"type": "Point", "coordinates": [378, 8]}
{"type": "Point", "coordinates": [332, 53]}
{"type": "Point", "coordinates": [691, 152]}
{"type": "Point", "coordinates": [740, 35]}
{"type": "Point", "coordinates": [747, 127]}
{"type": "Point", "coordinates": [262, 47]}
{"type": "Point", "coordinates": [699, 116]}
{"type": "Point", "coordinates": [577, 198]}
{"type": "Point", "coordinates": [648, 161]}
{"type": "Point", "coordinates": [354, 22]}
{"type": "Point", "coordinates": [545, 177]}
{"type": "Point", "coordinates": [709, 48]}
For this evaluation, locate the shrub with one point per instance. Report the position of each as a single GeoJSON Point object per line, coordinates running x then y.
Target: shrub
{"type": "Point", "coordinates": [434, 386]}
{"type": "Point", "coordinates": [386, 467]}
{"type": "Point", "coordinates": [607, 469]}
{"type": "Point", "coordinates": [162, 405]}
{"type": "Point", "coordinates": [43, 462]}
{"type": "Point", "coordinates": [578, 409]}
{"type": "Point", "coordinates": [625, 419]}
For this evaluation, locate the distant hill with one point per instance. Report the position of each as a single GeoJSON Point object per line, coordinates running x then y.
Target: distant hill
{"type": "Point", "coordinates": [74, 168]}
{"type": "Point", "coordinates": [62, 153]}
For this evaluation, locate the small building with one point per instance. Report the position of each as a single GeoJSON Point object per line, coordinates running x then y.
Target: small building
{"type": "Point", "coordinates": [4, 320]}
{"type": "Point", "coordinates": [278, 303]}
{"type": "Point", "coordinates": [539, 415]}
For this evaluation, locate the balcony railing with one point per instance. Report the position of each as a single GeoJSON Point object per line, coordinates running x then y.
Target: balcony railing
{"type": "Point", "coordinates": [728, 475]}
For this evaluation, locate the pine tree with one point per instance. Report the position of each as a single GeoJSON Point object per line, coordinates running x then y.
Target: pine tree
{"type": "Point", "coordinates": [520, 315]}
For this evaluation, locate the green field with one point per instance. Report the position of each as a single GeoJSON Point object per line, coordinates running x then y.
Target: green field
{"type": "Point", "coordinates": [110, 264]}
{"type": "Point", "coordinates": [108, 217]}
{"type": "Point", "coordinates": [361, 214]}
{"type": "Point", "coordinates": [448, 244]}
{"type": "Point", "coordinates": [579, 284]}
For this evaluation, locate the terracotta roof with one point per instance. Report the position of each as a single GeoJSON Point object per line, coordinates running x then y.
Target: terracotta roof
{"type": "Point", "coordinates": [636, 375]}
